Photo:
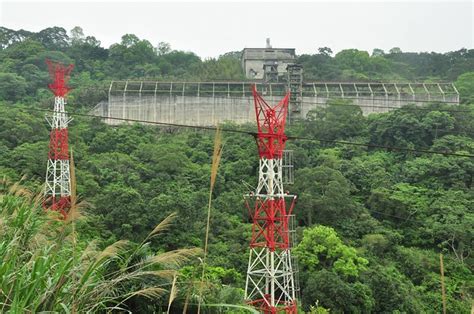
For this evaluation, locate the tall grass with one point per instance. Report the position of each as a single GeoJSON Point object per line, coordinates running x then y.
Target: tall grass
{"type": "Point", "coordinates": [43, 268]}
{"type": "Point", "coordinates": [216, 158]}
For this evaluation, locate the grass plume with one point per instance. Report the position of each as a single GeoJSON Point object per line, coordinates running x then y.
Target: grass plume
{"type": "Point", "coordinates": [43, 268]}
{"type": "Point", "coordinates": [216, 158]}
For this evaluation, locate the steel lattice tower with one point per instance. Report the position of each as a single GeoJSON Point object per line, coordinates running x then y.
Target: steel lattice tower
{"type": "Point", "coordinates": [58, 180]}
{"type": "Point", "coordinates": [270, 283]}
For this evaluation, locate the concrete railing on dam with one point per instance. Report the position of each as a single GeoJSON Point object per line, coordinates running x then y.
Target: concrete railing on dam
{"type": "Point", "coordinates": [209, 103]}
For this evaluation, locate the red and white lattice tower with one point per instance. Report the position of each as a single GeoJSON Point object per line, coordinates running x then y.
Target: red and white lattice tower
{"type": "Point", "coordinates": [270, 283]}
{"type": "Point", "coordinates": [58, 178]}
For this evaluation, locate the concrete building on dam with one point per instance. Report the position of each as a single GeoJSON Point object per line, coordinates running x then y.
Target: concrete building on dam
{"type": "Point", "coordinates": [274, 72]}
{"type": "Point", "coordinates": [268, 62]}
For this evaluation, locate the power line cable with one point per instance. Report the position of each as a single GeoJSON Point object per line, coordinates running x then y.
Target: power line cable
{"type": "Point", "coordinates": [386, 147]}
{"type": "Point", "coordinates": [381, 146]}
{"type": "Point", "coordinates": [394, 216]}
{"type": "Point", "coordinates": [254, 134]}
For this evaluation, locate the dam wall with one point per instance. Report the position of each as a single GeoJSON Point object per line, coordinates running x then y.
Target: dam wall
{"type": "Point", "coordinates": [207, 104]}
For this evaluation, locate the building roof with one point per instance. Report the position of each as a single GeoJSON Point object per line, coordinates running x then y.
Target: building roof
{"type": "Point", "coordinates": [268, 53]}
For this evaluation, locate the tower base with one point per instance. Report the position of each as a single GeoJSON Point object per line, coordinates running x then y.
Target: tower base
{"type": "Point", "coordinates": [262, 305]}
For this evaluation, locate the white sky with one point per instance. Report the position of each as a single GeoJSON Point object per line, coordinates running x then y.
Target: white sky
{"type": "Point", "coordinates": [212, 28]}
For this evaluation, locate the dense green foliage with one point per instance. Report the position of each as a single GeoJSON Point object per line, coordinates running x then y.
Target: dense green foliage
{"type": "Point", "coordinates": [372, 222]}
{"type": "Point", "coordinates": [353, 64]}
{"type": "Point", "coordinates": [46, 268]}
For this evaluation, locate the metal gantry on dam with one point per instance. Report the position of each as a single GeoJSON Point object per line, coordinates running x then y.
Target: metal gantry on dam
{"type": "Point", "coordinates": [209, 103]}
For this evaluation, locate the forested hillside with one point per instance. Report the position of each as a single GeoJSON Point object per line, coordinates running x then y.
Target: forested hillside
{"type": "Point", "coordinates": [372, 222]}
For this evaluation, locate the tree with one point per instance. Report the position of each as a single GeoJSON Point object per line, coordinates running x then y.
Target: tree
{"type": "Point", "coordinates": [320, 66]}
{"type": "Point", "coordinates": [12, 86]}
{"type": "Point", "coordinates": [402, 204]}
{"type": "Point", "coordinates": [454, 144]}
{"type": "Point", "coordinates": [237, 55]}
{"type": "Point", "coordinates": [28, 159]}
{"type": "Point", "coordinates": [130, 56]}
{"type": "Point", "coordinates": [328, 270]}
{"type": "Point", "coordinates": [221, 69]}
{"type": "Point", "coordinates": [449, 222]}
{"type": "Point", "coordinates": [353, 59]}
{"type": "Point", "coordinates": [460, 61]}
{"type": "Point", "coordinates": [437, 123]}
{"type": "Point", "coordinates": [89, 56]}
{"type": "Point", "coordinates": [399, 128]}
{"type": "Point", "coordinates": [18, 127]}
{"type": "Point", "coordinates": [57, 56]}
{"type": "Point", "coordinates": [465, 86]}
{"type": "Point", "coordinates": [9, 37]}
{"type": "Point", "coordinates": [328, 290]}
{"type": "Point", "coordinates": [53, 38]}
{"type": "Point", "coordinates": [440, 172]}
{"type": "Point", "coordinates": [336, 121]}
{"type": "Point", "coordinates": [326, 51]}
{"type": "Point", "coordinates": [163, 48]}
{"type": "Point", "coordinates": [129, 40]}
{"type": "Point", "coordinates": [377, 52]}
{"type": "Point", "coordinates": [391, 290]}
{"type": "Point", "coordinates": [370, 171]}
{"type": "Point", "coordinates": [376, 243]}
{"type": "Point", "coordinates": [125, 215]}
{"type": "Point", "coordinates": [77, 35]}
{"type": "Point", "coordinates": [321, 248]}
{"type": "Point", "coordinates": [395, 50]}
{"type": "Point", "coordinates": [326, 199]}
{"type": "Point", "coordinates": [34, 77]}
{"type": "Point", "coordinates": [22, 52]}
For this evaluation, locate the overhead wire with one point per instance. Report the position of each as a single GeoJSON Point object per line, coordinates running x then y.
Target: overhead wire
{"type": "Point", "coordinates": [386, 147]}
{"type": "Point", "coordinates": [254, 134]}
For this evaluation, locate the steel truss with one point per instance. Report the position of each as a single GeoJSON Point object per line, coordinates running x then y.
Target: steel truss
{"type": "Point", "coordinates": [270, 283]}
{"type": "Point", "coordinates": [58, 177]}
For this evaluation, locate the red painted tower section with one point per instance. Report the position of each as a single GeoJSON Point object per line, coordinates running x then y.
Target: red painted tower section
{"type": "Point", "coordinates": [58, 180]}
{"type": "Point", "coordinates": [270, 284]}
{"type": "Point", "coordinates": [59, 73]}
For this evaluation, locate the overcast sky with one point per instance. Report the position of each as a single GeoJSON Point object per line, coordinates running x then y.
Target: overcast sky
{"type": "Point", "coordinates": [212, 28]}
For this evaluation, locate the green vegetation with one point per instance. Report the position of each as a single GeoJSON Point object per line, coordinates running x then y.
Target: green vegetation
{"type": "Point", "coordinates": [395, 65]}
{"type": "Point", "coordinates": [44, 266]}
{"type": "Point", "coordinates": [372, 222]}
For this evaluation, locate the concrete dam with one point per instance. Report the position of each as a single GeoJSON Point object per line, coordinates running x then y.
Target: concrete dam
{"type": "Point", "coordinates": [210, 103]}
